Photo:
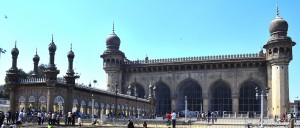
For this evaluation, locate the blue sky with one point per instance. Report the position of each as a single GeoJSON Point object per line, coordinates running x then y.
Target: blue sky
{"type": "Point", "coordinates": [158, 28]}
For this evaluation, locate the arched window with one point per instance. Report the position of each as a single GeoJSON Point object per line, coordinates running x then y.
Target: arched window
{"type": "Point", "coordinates": [193, 91]}
{"type": "Point", "coordinates": [275, 50]}
{"type": "Point", "coordinates": [22, 99]}
{"type": "Point", "coordinates": [163, 99]}
{"type": "Point", "coordinates": [288, 50]}
{"type": "Point", "coordinates": [221, 97]}
{"type": "Point", "coordinates": [42, 99]}
{"type": "Point", "coordinates": [31, 99]}
{"type": "Point", "coordinates": [281, 50]}
{"type": "Point", "coordinates": [270, 51]}
{"type": "Point", "coordinates": [247, 99]}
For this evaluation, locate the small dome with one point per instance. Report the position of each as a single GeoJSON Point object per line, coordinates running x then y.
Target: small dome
{"type": "Point", "coordinates": [71, 55]}
{"type": "Point", "coordinates": [52, 47]}
{"type": "Point", "coordinates": [15, 51]}
{"type": "Point", "coordinates": [36, 58]}
{"type": "Point", "coordinates": [278, 25]}
{"type": "Point", "coordinates": [113, 41]}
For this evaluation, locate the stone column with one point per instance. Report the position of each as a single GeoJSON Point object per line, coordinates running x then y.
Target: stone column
{"type": "Point", "coordinates": [235, 103]}
{"type": "Point", "coordinates": [174, 102]}
{"type": "Point", "coordinates": [206, 102]}
{"type": "Point", "coordinates": [50, 100]}
{"type": "Point", "coordinates": [12, 98]}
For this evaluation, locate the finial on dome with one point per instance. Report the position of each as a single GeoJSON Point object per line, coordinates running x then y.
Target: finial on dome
{"type": "Point", "coordinates": [16, 44]}
{"type": "Point", "coordinates": [71, 46]}
{"type": "Point", "coordinates": [113, 29]}
{"type": "Point", "coordinates": [277, 9]}
{"type": "Point", "coordinates": [35, 51]}
{"type": "Point", "coordinates": [52, 38]}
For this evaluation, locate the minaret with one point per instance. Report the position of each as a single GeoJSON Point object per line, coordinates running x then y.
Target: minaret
{"type": "Point", "coordinates": [13, 73]}
{"type": "Point", "coordinates": [51, 71]}
{"type": "Point", "coordinates": [278, 54]}
{"type": "Point", "coordinates": [70, 77]}
{"type": "Point", "coordinates": [113, 59]}
{"type": "Point", "coordinates": [36, 60]}
{"type": "Point", "coordinates": [13, 77]}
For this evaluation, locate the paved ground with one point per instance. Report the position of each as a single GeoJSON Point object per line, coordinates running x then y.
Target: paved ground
{"type": "Point", "coordinates": [221, 123]}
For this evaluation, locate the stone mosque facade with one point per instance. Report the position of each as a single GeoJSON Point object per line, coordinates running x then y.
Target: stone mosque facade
{"type": "Point", "coordinates": [224, 83]}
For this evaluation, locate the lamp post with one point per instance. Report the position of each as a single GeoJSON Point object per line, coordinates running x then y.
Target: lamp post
{"type": "Point", "coordinates": [185, 108]}
{"type": "Point", "coordinates": [59, 105]}
{"type": "Point", "coordinates": [262, 95]}
{"type": "Point", "coordinates": [116, 92]}
{"type": "Point", "coordinates": [93, 100]}
{"type": "Point", "coordinates": [135, 94]}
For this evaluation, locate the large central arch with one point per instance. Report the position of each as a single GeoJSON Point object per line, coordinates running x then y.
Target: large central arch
{"type": "Point", "coordinates": [221, 99]}
{"type": "Point", "coordinates": [193, 91]}
{"type": "Point", "coordinates": [163, 99]}
{"type": "Point", "coordinates": [247, 99]}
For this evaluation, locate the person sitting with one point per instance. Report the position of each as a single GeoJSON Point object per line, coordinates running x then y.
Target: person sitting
{"type": "Point", "coordinates": [130, 124]}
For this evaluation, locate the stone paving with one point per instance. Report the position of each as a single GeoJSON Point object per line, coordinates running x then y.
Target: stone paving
{"type": "Point", "coordinates": [221, 123]}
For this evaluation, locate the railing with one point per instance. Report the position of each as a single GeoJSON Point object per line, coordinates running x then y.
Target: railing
{"type": "Point", "coordinates": [33, 80]}
{"type": "Point", "coordinates": [198, 58]}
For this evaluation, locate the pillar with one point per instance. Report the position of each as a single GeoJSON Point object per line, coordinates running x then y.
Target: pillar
{"type": "Point", "coordinates": [205, 102]}
{"type": "Point", "coordinates": [235, 103]}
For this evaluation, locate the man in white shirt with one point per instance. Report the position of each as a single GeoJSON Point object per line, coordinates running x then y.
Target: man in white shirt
{"type": "Point", "coordinates": [173, 117]}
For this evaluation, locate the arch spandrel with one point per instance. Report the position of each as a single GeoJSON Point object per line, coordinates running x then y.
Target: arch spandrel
{"type": "Point", "coordinates": [181, 83]}
{"type": "Point", "coordinates": [257, 81]}
{"type": "Point", "coordinates": [215, 82]}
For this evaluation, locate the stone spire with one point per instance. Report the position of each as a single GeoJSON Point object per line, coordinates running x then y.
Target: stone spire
{"type": "Point", "coordinates": [36, 60]}
{"type": "Point", "coordinates": [51, 71]}
{"type": "Point", "coordinates": [13, 73]}
{"type": "Point", "coordinates": [70, 77]}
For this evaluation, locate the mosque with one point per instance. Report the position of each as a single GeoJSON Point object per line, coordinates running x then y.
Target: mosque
{"type": "Point", "coordinates": [223, 83]}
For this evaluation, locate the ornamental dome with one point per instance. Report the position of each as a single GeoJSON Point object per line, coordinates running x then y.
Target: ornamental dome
{"type": "Point", "coordinates": [71, 55]}
{"type": "Point", "coordinates": [15, 51]}
{"type": "Point", "coordinates": [52, 46]}
{"type": "Point", "coordinates": [36, 58]}
{"type": "Point", "coordinates": [113, 41]}
{"type": "Point", "coordinates": [278, 25]}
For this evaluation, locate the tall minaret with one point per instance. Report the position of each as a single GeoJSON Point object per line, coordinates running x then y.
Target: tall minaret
{"type": "Point", "coordinates": [51, 71]}
{"type": "Point", "coordinates": [113, 58]}
{"type": "Point", "coordinates": [279, 54]}
{"type": "Point", "coordinates": [36, 60]}
{"type": "Point", "coordinates": [13, 77]}
{"type": "Point", "coordinates": [70, 77]}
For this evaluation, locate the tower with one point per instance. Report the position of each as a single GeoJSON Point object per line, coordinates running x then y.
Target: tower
{"type": "Point", "coordinates": [70, 77]}
{"type": "Point", "coordinates": [278, 54]}
{"type": "Point", "coordinates": [36, 60]}
{"type": "Point", "coordinates": [13, 77]}
{"type": "Point", "coordinates": [113, 59]}
{"type": "Point", "coordinates": [51, 71]}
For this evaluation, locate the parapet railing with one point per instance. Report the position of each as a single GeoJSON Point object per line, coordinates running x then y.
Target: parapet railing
{"type": "Point", "coordinates": [33, 80]}
{"type": "Point", "coordinates": [197, 58]}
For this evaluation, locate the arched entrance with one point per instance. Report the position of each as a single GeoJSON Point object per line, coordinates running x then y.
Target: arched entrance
{"type": "Point", "coordinates": [21, 103]}
{"type": "Point", "coordinates": [74, 105]}
{"type": "Point", "coordinates": [221, 99]}
{"type": "Point", "coordinates": [247, 99]}
{"type": "Point", "coordinates": [43, 104]}
{"type": "Point", "coordinates": [58, 104]}
{"type": "Point", "coordinates": [162, 99]}
{"type": "Point", "coordinates": [137, 90]}
{"type": "Point", "coordinates": [193, 91]}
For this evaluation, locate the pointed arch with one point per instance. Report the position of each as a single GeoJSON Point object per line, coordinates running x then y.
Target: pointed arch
{"type": "Point", "coordinates": [75, 102]}
{"type": "Point", "coordinates": [22, 99]}
{"type": "Point", "coordinates": [58, 99]}
{"type": "Point", "coordinates": [247, 98]}
{"type": "Point", "coordinates": [42, 99]}
{"type": "Point", "coordinates": [163, 98]}
{"type": "Point", "coordinates": [31, 99]}
{"type": "Point", "coordinates": [193, 91]}
{"type": "Point", "coordinates": [82, 103]}
{"type": "Point", "coordinates": [221, 96]}
{"type": "Point", "coordinates": [140, 90]}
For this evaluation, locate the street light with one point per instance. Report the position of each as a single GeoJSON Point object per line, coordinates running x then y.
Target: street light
{"type": "Point", "coordinates": [93, 108]}
{"type": "Point", "coordinates": [59, 104]}
{"type": "Point", "coordinates": [185, 108]}
{"type": "Point", "coordinates": [116, 91]}
{"type": "Point", "coordinates": [262, 95]}
{"type": "Point", "coordinates": [135, 94]}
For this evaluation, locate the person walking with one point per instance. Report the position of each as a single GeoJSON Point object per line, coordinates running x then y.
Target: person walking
{"type": "Point", "coordinates": [173, 116]}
